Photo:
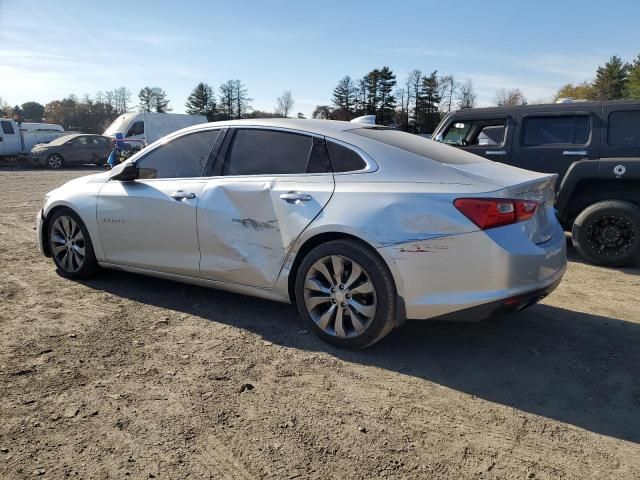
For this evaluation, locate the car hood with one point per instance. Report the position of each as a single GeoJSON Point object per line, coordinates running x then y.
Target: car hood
{"type": "Point", "coordinates": [101, 177]}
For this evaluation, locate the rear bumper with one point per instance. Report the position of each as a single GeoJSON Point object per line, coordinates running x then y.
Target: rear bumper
{"type": "Point", "coordinates": [477, 272]}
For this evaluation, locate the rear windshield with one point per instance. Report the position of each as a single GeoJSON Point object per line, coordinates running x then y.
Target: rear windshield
{"type": "Point", "coordinates": [417, 145]}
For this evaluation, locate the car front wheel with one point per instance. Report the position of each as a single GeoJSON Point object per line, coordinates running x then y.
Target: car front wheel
{"type": "Point", "coordinates": [70, 245]}
{"type": "Point", "coordinates": [346, 293]}
{"type": "Point", "coordinates": [55, 161]}
{"type": "Point", "coordinates": [608, 233]}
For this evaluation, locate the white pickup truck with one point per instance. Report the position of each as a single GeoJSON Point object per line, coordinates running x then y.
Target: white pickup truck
{"type": "Point", "coordinates": [17, 140]}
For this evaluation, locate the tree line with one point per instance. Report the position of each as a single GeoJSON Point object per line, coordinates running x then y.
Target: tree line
{"type": "Point", "coordinates": [416, 105]}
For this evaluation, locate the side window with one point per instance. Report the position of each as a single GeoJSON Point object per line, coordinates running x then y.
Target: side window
{"type": "Point", "coordinates": [273, 152]}
{"type": "Point", "coordinates": [344, 159]}
{"type": "Point", "coordinates": [490, 135]}
{"type": "Point", "coordinates": [456, 133]}
{"type": "Point", "coordinates": [7, 127]}
{"type": "Point", "coordinates": [182, 157]}
{"type": "Point", "coordinates": [624, 128]}
{"type": "Point", "coordinates": [480, 132]}
{"type": "Point", "coordinates": [556, 130]}
{"type": "Point", "coordinates": [136, 129]}
{"type": "Point", "coordinates": [82, 140]}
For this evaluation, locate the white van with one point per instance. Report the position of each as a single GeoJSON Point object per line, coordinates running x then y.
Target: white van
{"type": "Point", "coordinates": [142, 128]}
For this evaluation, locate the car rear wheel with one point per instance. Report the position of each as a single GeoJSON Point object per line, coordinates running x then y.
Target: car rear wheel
{"type": "Point", "coordinates": [55, 161]}
{"type": "Point", "coordinates": [70, 245]}
{"type": "Point", "coordinates": [608, 233]}
{"type": "Point", "coordinates": [346, 294]}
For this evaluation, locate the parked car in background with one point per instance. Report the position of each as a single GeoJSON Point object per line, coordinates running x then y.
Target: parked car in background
{"type": "Point", "coordinates": [72, 149]}
{"type": "Point", "coordinates": [143, 128]}
{"type": "Point", "coordinates": [17, 139]}
{"type": "Point", "coordinates": [594, 147]}
{"type": "Point", "coordinates": [360, 226]}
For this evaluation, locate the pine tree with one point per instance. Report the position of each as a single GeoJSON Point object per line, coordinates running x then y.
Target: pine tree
{"type": "Point", "coordinates": [386, 99]}
{"type": "Point", "coordinates": [345, 96]}
{"type": "Point", "coordinates": [428, 103]}
{"type": "Point", "coordinates": [633, 83]}
{"type": "Point", "coordinates": [202, 102]}
{"type": "Point", "coordinates": [160, 102]}
{"type": "Point", "coordinates": [611, 80]}
{"type": "Point", "coordinates": [146, 99]}
{"type": "Point", "coordinates": [371, 99]}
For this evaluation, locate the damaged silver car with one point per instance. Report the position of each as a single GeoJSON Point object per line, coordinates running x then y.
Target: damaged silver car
{"type": "Point", "coordinates": [360, 226]}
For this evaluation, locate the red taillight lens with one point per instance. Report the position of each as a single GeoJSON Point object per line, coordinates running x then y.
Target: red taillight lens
{"type": "Point", "coordinates": [495, 212]}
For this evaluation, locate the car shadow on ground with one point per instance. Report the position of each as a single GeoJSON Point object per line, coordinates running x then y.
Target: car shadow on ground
{"type": "Point", "coordinates": [574, 256]}
{"type": "Point", "coordinates": [574, 367]}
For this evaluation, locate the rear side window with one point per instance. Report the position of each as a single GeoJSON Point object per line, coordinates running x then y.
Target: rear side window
{"type": "Point", "coordinates": [183, 157]}
{"type": "Point", "coordinates": [344, 159]}
{"type": "Point", "coordinates": [272, 152]}
{"type": "Point", "coordinates": [7, 127]}
{"type": "Point", "coordinates": [556, 130]}
{"type": "Point", "coordinates": [624, 128]}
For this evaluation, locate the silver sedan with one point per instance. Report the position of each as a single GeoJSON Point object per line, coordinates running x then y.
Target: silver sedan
{"type": "Point", "coordinates": [360, 226]}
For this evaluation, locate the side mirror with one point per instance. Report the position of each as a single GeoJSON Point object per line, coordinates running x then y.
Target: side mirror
{"type": "Point", "coordinates": [125, 172]}
{"type": "Point", "coordinates": [439, 138]}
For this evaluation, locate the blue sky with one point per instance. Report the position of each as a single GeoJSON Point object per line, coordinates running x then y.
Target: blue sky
{"type": "Point", "coordinates": [50, 49]}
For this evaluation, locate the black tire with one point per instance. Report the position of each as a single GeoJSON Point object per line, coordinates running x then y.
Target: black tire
{"type": "Point", "coordinates": [608, 233]}
{"type": "Point", "coordinates": [384, 318]}
{"type": "Point", "coordinates": [55, 161]}
{"type": "Point", "coordinates": [89, 264]}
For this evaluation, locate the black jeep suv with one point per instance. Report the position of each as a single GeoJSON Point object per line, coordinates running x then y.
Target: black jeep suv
{"type": "Point", "coordinates": [594, 147]}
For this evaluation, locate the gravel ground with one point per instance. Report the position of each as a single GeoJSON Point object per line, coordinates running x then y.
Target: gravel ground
{"type": "Point", "coordinates": [127, 376]}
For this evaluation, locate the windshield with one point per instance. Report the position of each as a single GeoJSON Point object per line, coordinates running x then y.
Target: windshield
{"type": "Point", "coordinates": [120, 124]}
{"type": "Point", "coordinates": [61, 140]}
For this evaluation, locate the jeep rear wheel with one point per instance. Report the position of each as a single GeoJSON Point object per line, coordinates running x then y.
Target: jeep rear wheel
{"type": "Point", "coordinates": [608, 233]}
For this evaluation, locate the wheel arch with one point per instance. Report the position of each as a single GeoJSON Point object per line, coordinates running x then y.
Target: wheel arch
{"type": "Point", "coordinates": [307, 244]}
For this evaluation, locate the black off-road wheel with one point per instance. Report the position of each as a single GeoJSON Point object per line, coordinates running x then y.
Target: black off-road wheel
{"type": "Point", "coordinates": [70, 245]}
{"type": "Point", "coordinates": [346, 294]}
{"type": "Point", "coordinates": [608, 233]}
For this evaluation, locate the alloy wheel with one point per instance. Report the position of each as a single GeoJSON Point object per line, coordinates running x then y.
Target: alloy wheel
{"type": "Point", "coordinates": [340, 296]}
{"type": "Point", "coordinates": [611, 235]}
{"type": "Point", "coordinates": [55, 161]}
{"type": "Point", "coordinates": [67, 243]}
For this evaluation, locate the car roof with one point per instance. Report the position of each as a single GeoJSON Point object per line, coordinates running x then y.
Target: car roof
{"type": "Point", "coordinates": [546, 106]}
{"type": "Point", "coordinates": [320, 127]}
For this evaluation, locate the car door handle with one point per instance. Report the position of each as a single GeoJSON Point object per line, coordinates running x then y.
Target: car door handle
{"type": "Point", "coordinates": [295, 197]}
{"type": "Point", "coordinates": [575, 153]}
{"type": "Point", "coordinates": [496, 152]}
{"type": "Point", "coordinates": [181, 195]}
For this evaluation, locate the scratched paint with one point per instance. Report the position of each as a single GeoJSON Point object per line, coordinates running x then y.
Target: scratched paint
{"type": "Point", "coordinates": [256, 224]}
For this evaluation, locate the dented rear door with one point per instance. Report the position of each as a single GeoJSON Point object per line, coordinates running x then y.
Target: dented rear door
{"type": "Point", "coordinates": [247, 223]}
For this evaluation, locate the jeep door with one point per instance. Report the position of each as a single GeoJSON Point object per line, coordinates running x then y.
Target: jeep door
{"type": "Point", "coordinates": [550, 140]}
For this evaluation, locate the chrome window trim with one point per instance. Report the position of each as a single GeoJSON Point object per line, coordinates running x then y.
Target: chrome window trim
{"type": "Point", "coordinates": [370, 164]}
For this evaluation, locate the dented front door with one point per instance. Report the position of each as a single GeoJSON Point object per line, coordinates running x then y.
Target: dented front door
{"type": "Point", "coordinates": [246, 225]}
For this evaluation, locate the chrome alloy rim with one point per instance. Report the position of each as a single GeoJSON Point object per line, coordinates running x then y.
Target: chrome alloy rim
{"type": "Point", "coordinates": [55, 161]}
{"type": "Point", "coordinates": [340, 296]}
{"type": "Point", "coordinates": [67, 243]}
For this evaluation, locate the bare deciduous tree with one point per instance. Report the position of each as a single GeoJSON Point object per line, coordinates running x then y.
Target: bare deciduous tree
{"type": "Point", "coordinates": [509, 98]}
{"type": "Point", "coordinates": [284, 104]}
{"type": "Point", "coordinates": [466, 95]}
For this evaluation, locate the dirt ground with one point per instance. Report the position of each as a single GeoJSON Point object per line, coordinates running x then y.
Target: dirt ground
{"type": "Point", "coordinates": [127, 376]}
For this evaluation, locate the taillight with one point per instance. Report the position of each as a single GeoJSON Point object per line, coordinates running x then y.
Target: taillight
{"type": "Point", "coordinates": [495, 212]}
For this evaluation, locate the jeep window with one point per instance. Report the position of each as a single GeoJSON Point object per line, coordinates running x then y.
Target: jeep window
{"type": "Point", "coordinates": [476, 132]}
{"type": "Point", "coordinates": [624, 128]}
{"type": "Point", "coordinates": [456, 133]}
{"type": "Point", "coordinates": [556, 130]}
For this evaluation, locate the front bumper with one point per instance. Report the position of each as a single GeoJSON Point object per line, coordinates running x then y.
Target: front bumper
{"type": "Point", "coordinates": [484, 269]}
